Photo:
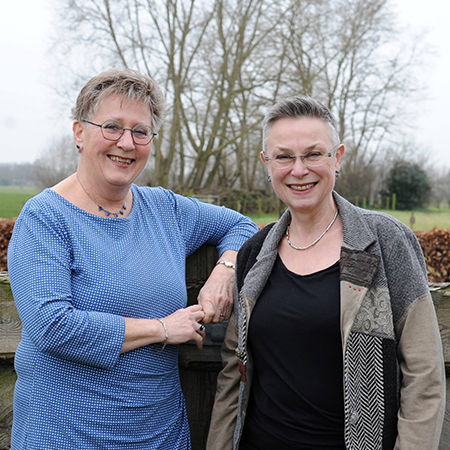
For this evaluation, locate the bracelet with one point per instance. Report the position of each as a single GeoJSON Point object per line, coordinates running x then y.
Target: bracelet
{"type": "Point", "coordinates": [228, 264]}
{"type": "Point", "coordinates": [159, 350]}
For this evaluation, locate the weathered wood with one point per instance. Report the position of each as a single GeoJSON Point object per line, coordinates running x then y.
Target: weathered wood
{"type": "Point", "coordinates": [441, 300]}
{"type": "Point", "coordinates": [7, 380]}
{"type": "Point", "coordinates": [198, 267]}
{"type": "Point", "coordinates": [199, 368]}
{"type": "Point", "coordinates": [199, 388]}
{"type": "Point", "coordinates": [10, 325]}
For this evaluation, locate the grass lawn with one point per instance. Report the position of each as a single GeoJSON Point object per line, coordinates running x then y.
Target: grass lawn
{"type": "Point", "coordinates": [424, 220]}
{"type": "Point", "coordinates": [12, 199]}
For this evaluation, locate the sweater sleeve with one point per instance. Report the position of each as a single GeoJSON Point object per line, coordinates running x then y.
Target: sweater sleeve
{"type": "Point", "coordinates": [422, 393]}
{"type": "Point", "coordinates": [39, 263]}
{"type": "Point", "coordinates": [202, 223]}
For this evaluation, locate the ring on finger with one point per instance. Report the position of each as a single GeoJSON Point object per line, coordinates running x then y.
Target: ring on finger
{"type": "Point", "coordinates": [202, 327]}
{"type": "Point", "coordinates": [222, 315]}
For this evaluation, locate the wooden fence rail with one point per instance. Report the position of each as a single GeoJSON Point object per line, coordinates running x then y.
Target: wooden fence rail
{"type": "Point", "coordinates": [198, 369]}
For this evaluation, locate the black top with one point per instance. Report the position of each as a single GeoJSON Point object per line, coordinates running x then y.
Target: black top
{"type": "Point", "coordinates": [296, 399]}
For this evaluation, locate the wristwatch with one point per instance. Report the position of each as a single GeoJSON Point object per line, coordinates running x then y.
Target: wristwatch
{"type": "Point", "coordinates": [228, 264]}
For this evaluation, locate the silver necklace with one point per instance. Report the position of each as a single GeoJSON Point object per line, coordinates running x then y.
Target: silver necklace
{"type": "Point", "coordinates": [316, 241]}
{"type": "Point", "coordinates": [100, 208]}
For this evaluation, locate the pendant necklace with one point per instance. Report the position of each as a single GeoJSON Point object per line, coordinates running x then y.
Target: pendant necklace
{"type": "Point", "coordinates": [100, 208]}
{"type": "Point", "coordinates": [316, 241]}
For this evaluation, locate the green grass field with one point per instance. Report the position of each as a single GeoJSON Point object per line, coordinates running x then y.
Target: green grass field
{"type": "Point", "coordinates": [424, 220]}
{"type": "Point", "coordinates": [12, 199]}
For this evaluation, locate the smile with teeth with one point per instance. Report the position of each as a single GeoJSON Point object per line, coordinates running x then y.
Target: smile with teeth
{"type": "Point", "coordinates": [304, 187]}
{"type": "Point", "coordinates": [120, 160]}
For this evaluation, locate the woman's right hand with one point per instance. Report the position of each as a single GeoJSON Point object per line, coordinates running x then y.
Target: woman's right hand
{"type": "Point", "coordinates": [183, 325]}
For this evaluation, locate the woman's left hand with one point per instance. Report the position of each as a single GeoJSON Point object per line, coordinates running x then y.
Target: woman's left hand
{"type": "Point", "coordinates": [216, 296]}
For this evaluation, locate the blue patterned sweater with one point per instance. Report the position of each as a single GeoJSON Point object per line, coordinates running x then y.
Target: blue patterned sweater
{"type": "Point", "coordinates": [75, 276]}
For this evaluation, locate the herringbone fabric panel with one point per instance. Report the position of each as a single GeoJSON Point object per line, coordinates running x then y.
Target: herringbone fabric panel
{"type": "Point", "coordinates": [364, 392]}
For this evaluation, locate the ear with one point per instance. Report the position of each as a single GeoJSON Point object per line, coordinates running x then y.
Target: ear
{"type": "Point", "coordinates": [77, 129]}
{"type": "Point", "coordinates": [264, 161]}
{"type": "Point", "coordinates": [339, 155]}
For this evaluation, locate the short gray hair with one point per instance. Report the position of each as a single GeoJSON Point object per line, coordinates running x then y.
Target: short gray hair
{"type": "Point", "coordinates": [297, 107]}
{"type": "Point", "coordinates": [127, 83]}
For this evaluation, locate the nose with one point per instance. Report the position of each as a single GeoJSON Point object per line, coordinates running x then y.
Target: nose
{"type": "Point", "coordinates": [125, 141]}
{"type": "Point", "coordinates": [299, 168]}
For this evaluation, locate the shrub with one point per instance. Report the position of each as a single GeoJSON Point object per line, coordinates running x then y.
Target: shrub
{"type": "Point", "coordinates": [6, 229]}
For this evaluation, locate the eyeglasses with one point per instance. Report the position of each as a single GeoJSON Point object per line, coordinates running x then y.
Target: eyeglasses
{"type": "Point", "coordinates": [313, 158]}
{"type": "Point", "coordinates": [112, 130]}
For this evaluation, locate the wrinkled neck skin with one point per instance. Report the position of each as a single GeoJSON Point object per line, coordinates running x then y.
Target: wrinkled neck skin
{"type": "Point", "coordinates": [308, 225]}
{"type": "Point", "coordinates": [107, 194]}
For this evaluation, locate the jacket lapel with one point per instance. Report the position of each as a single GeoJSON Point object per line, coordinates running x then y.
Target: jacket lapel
{"type": "Point", "coordinates": [358, 267]}
{"type": "Point", "coordinates": [257, 276]}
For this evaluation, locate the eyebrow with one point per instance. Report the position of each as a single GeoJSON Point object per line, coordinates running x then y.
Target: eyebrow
{"type": "Point", "coordinates": [307, 149]}
{"type": "Point", "coordinates": [121, 123]}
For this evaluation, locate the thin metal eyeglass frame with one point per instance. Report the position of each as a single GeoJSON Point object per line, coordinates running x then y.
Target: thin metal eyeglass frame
{"type": "Point", "coordinates": [293, 158]}
{"type": "Point", "coordinates": [153, 134]}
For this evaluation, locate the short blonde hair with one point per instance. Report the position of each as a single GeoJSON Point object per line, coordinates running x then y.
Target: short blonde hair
{"type": "Point", "coordinates": [127, 83]}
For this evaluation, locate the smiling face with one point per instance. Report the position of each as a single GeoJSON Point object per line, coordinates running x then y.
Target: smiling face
{"type": "Point", "coordinates": [112, 163]}
{"type": "Point", "coordinates": [304, 189]}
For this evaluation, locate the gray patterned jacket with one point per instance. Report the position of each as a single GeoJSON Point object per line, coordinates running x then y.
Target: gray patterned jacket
{"type": "Point", "coordinates": [394, 378]}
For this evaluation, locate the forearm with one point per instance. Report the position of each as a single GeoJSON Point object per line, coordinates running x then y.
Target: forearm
{"type": "Point", "coordinates": [216, 296]}
{"type": "Point", "coordinates": [228, 255]}
{"type": "Point", "coordinates": [142, 332]}
{"type": "Point", "coordinates": [180, 326]}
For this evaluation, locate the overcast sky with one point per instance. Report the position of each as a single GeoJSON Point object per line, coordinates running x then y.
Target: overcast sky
{"type": "Point", "coordinates": [31, 118]}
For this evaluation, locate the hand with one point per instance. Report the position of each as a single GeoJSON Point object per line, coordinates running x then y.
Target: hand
{"type": "Point", "coordinates": [183, 325]}
{"type": "Point", "coordinates": [216, 296]}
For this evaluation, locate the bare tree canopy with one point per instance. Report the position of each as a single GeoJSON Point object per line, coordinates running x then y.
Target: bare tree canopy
{"type": "Point", "coordinates": [57, 162]}
{"type": "Point", "coordinates": [222, 63]}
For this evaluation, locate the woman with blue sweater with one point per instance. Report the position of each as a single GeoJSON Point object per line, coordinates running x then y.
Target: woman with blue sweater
{"type": "Point", "coordinates": [97, 269]}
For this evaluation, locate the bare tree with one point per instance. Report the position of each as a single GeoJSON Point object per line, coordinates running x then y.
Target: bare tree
{"type": "Point", "coordinates": [56, 163]}
{"type": "Point", "coordinates": [439, 178]}
{"type": "Point", "coordinates": [349, 54]}
{"type": "Point", "coordinates": [158, 38]}
{"type": "Point", "coordinates": [223, 62]}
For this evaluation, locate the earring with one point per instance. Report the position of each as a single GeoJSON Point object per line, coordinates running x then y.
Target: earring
{"type": "Point", "coordinates": [337, 174]}
{"type": "Point", "coordinates": [269, 178]}
{"type": "Point", "coordinates": [78, 147]}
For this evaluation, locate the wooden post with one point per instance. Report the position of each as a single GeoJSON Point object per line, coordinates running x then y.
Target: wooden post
{"type": "Point", "coordinates": [7, 381]}
{"type": "Point", "coordinates": [199, 368]}
{"type": "Point", "coordinates": [10, 328]}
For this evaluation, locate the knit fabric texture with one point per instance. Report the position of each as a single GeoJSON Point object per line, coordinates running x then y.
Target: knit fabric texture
{"type": "Point", "coordinates": [75, 276]}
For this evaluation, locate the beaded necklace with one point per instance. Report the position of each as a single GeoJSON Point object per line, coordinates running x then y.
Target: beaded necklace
{"type": "Point", "coordinates": [100, 208]}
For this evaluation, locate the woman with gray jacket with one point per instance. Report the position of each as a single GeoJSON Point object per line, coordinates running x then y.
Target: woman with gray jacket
{"type": "Point", "coordinates": [334, 342]}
